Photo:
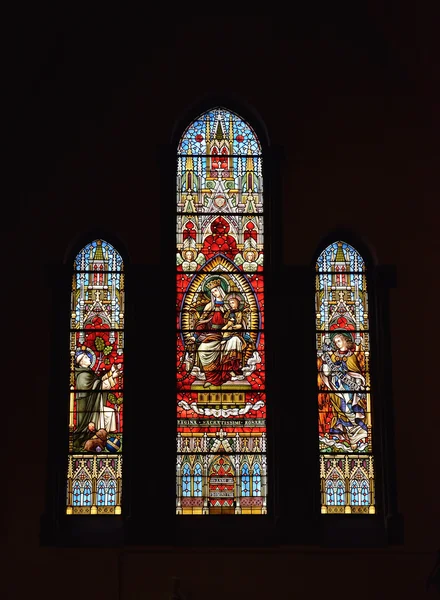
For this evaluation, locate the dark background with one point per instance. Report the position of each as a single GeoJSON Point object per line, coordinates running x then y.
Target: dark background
{"type": "Point", "coordinates": [351, 97]}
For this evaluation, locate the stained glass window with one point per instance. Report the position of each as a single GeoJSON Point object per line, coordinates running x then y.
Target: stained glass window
{"type": "Point", "coordinates": [256, 481]}
{"type": "Point", "coordinates": [344, 391]}
{"type": "Point", "coordinates": [354, 493]}
{"type": "Point", "coordinates": [94, 478]}
{"type": "Point", "coordinates": [330, 496]}
{"type": "Point", "coordinates": [221, 395]}
{"type": "Point", "coordinates": [245, 481]}
{"type": "Point", "coordinates": [340, 494]}
{"type": "Point", "coordinates": [197, 480]}
{"type": "Point", "coordinates": [186, 480]}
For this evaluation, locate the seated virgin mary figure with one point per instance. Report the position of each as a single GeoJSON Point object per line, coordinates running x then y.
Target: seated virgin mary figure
{"type": "Point", "coordinates": [219, 345]}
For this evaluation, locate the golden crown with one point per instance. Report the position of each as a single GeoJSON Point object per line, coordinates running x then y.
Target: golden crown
{"type": "Point", "coordinates": [213, 283]}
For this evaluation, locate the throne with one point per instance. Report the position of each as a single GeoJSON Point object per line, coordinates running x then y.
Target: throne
{"type": "Point", "coordinates": [229, 394]}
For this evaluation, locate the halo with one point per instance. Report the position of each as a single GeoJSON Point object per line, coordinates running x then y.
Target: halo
{"type": "Point", "coordinates": [223, 284]}
{"type": "Point", "coordinates": [237, 295]}
{"type": "Point", "coordinates": [193, 253]}
{"type": "Point", "coordinates": [86, 349]}
{"type": "Point", "coordinates": [252, 251]}
{"type": "Point", "coordinates": [345, 332]}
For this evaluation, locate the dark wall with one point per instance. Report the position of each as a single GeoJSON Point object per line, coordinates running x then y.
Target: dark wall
{"type": "Point", "coordinates": [353, 111]}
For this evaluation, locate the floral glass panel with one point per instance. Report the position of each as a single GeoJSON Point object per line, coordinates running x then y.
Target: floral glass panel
{"type": "Point", "coordinates": [94, 479]}
{"type": "Point", "coordinates": [220, 345]}
{"type": "Point", "coordinates": [344, 388]}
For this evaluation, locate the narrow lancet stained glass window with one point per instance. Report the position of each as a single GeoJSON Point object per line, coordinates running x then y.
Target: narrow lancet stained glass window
{"type": "Point", "coordinates": [344, 391]}
{"type": "Point", "coordinates": [221, 397]}
{"type": "Point", "coordinates": [94, 480]}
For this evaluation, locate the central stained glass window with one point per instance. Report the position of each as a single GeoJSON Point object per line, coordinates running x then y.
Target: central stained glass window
{"type": "Point", "coordinates": [221, 396]}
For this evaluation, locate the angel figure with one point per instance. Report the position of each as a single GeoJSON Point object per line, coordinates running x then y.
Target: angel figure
{"type": "Point", "coordinates": [249, 260]}
{"type": "Point", "coordinates": [190, 259]}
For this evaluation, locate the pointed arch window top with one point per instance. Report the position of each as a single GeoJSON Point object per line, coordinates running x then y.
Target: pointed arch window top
{"type": "Point", "coordinates": [219, 131]}
{"type": "Point", "coordinates": [340, 257]}
{"type": "Point", "coordinates": [98, 255]}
